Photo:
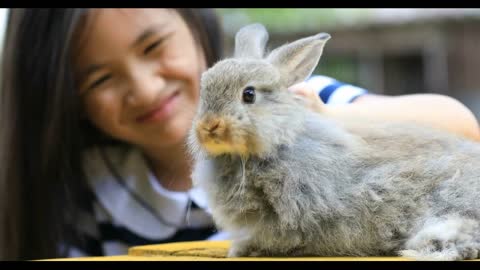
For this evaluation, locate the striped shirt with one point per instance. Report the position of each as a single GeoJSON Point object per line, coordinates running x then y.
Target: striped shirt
{"type": "Point", "coordinates": [130, 208]}
{"type": "Point", "coordinates": [332, 91]}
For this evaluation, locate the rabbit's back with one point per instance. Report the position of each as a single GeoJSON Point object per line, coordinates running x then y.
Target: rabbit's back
{"type": "Point", "coordinates": [421, 164]}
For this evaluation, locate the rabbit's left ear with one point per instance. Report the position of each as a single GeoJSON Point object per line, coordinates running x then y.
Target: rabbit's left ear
{"type": "Point", "coordinates": [297, 60]}
{"type": "Point", "coordinates": [250, 41]}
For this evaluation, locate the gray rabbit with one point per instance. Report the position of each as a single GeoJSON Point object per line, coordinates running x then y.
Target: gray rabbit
{"type": "Point", "coordinates": [286, 181]}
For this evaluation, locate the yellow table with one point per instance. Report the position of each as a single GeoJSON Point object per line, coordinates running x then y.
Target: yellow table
{"type": "Point", "coordinates": [207, 251]}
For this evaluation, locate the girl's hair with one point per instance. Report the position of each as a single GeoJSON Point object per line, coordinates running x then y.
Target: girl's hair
{"type": "Point", "coordinates": [42, 133]}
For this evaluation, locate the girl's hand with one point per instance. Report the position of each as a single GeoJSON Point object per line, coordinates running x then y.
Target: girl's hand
{"type": "Point", "coordinates": [307, 93]}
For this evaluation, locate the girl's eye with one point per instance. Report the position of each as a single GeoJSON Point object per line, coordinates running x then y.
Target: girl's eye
{"type": "Point", "coordinates": [100, 81]}
{"type": "Point", "coordinates": [152, 46]}
{"type": "Point", "coordinates": [249, 95]}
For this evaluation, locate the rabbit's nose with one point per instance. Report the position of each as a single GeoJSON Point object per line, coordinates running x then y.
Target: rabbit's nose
{"type": "Point", "coordinates": [212, 127]}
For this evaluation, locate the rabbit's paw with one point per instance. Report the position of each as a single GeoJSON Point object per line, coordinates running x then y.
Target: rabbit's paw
{"type": "Point", "coordinates": [243, 248]}
{"type": "Point", "coordinates": [248, 249]}
{"type": "Point", "coordinates": [243, 251]}
{"type": "Point", "coordinates": [453, 238]}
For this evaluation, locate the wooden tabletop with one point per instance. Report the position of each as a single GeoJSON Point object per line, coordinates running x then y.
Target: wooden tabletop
{"type": "Point", "coordinates": [207, 251]}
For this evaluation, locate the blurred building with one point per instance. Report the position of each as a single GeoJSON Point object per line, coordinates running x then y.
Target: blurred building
{"type": "Point", "coordinates": [400, 51]}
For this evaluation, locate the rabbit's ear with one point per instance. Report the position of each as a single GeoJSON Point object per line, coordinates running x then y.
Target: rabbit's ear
{"type": "Point", "coordinates": [297, 60]}
{"type": "Point", "coordinates": [250, 41]}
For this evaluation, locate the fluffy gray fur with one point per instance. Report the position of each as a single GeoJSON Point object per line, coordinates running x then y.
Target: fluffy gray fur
{"type": "Point", "coordinates": [315, 186]}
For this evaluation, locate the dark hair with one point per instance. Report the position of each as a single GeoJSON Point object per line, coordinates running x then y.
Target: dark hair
{"type": "Point", "coordinates": [42, 136]}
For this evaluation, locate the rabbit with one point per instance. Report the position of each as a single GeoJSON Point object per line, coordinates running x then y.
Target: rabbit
{"type": "Point", "coordinates": [286, 181]}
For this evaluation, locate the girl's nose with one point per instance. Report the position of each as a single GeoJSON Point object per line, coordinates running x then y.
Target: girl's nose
{"type": "Point", "coordinates": [144, 88]}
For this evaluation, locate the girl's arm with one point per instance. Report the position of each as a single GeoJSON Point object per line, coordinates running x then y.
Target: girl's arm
{"type": "Point", "coordinates": [438, 111]}
{"type": "Point", "coordinates": [435, 110]}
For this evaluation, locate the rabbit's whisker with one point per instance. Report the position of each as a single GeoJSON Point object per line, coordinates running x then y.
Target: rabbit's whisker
{"type": "Point", "coordinates": [189, 211]}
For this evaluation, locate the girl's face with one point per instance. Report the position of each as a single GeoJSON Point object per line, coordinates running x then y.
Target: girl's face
{"type": "Point", "coordinates": [139, 73]}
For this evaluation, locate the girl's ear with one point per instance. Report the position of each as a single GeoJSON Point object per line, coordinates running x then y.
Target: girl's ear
{"type": "Point", "coordinates": [297, 60]}
{"type": "Point", "coordinates": [250, 41]}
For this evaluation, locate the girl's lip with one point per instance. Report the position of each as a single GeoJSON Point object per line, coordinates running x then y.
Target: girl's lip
{"type": "Point", "coordinates": [159, 111]}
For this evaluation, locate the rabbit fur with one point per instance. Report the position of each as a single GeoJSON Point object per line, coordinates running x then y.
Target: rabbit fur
{"type": "Point", "coordinates": [286, 181]}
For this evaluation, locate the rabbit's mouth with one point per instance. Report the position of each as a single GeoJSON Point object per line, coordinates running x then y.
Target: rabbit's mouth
{"type": "Point", "coordinates": [217, 149]}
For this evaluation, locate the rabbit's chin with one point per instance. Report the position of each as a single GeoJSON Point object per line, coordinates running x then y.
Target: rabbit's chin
{"type": "Point", "coordinates": [216, 149]}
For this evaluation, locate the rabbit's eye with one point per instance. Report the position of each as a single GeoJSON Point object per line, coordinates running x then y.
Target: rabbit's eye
{"type": "Point", "coordinates": [249, 95]}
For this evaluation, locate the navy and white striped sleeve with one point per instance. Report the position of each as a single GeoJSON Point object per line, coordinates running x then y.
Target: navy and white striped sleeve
{"type": "Point", "coordinates": [332, 91]}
